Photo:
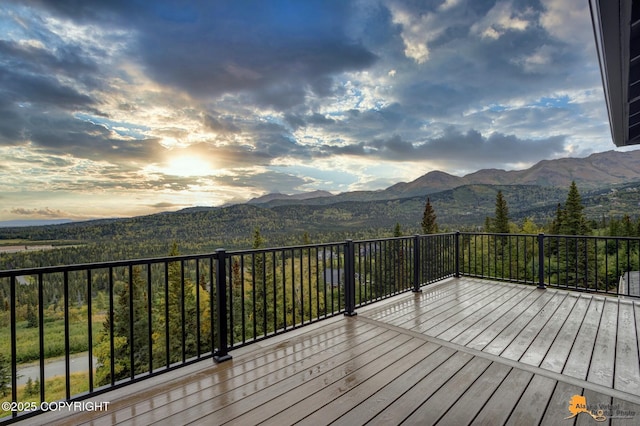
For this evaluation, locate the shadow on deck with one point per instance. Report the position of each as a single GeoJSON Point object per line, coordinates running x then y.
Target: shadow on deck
{"type": "Point", "coordinates": [464, 351]}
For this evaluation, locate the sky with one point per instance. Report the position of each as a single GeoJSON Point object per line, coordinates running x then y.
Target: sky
{"type": "Point", "coordinates": [131, 107]}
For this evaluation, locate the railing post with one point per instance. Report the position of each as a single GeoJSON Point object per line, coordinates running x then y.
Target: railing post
{"type": "Point", "coordinates": [221, 354]}
{"type": "Point", "coordinates": [349, 279]}
{"type": "Point", "coordinates": [457, 255]}
{"type": "Point", "coordinates": [541, 285]}
{"type": "Point", "coordinates": [417, 271]}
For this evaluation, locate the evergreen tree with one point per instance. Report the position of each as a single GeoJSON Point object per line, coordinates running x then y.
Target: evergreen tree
{"type": "Point", "coordinates": [260, 300]}
{"type": "Point", "coordinates": [574, 222]}
{"type": "Point", "coordinates": [130, 291]}
{"type": "Point", "coordinates": [429, 224]}
{"type": "Point", "coordinates": [184, 315]}
{"type": "Point", "coordinates": [488, 224]}
{"type": "Point", "coordinates": [501, 221]}
{"type": "Point", "coordinates": [557, 223]}
{"type": "Point", "coordinates": [28, 389]}
{"type": "Point", "coordinates": [5, 375]}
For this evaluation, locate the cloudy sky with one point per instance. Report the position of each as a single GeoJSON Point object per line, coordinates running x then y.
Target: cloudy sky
{"type": "Point", "coordinates": [121, 108]}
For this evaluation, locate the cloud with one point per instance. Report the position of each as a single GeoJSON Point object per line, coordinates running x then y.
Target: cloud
{"type": "Point", "coordinates": [44, 212]}
{"type": "Point", "coordinates": [449, 149]}
{"type": "Point", "coordinates": [101, 98]}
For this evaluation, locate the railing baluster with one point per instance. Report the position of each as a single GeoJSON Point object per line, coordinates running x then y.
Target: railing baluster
{"type": "Point", "coordinates": [12, 332]}
{"type": "Point", "coordinates": [222, 353]}
{"type": "Point", "coordinates": [67, 367]}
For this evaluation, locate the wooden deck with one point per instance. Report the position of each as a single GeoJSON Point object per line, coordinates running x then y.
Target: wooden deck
{"type": "Point", "coordinates": [464, 351]}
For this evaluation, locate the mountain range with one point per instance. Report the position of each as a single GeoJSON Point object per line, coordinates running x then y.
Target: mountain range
{"type": "Point", "coordinates": [600, 170]}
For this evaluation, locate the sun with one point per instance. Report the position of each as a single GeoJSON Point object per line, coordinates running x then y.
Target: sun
{"type": "Point", "coordinates": [188, 166]}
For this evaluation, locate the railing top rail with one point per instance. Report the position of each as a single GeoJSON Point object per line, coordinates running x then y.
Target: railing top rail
{"type": "Point", "coordinates": [102, 265]}
{"type": "Point", "coordinates": [404, 237]}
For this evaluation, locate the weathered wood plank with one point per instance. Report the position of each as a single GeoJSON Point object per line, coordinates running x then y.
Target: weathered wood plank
{"type": "Point", "coordinates": [504, 338]}
{"type": "Point", "coordinates": [471, 319]}
{"type": "Point", "coordinates": [353, 372]}
{"type": "Point", "coordinates": [627, 364]}
{"type": "Point", "coordinates": [341, 396]}
{"type": "Point", "coordinates": [469, 315]}
{"type": "Point", "coordinates": [557, 412]}
{"type": "Point", "coordinates": [533, 402]}
{"type": "Point", "coordinates": [498, 408]}
{"type": "Point", "coordinates": [595, 403]}
{"type": "Point", "coordinates": [429, 298]}
{"type": "Point", "coordinates": [624, 413]}
{"type": "Point", "coordinates": [577, 364]}
{"type": "Point", "coordinates": [430, 320]}
{"type": "Point", "coordinates": [471, 402]}
{"type": "Point", "coordinates": [379, 401]}
{"type": "Point", "coordinates": [406, 403]}
{"type": "Point", "coordinates": [239, 400]}
{"type": "Point", "coordinates": [527, 333]}
{"type": "Point", "coordinates": [228, 388]}
{"type": "Point", "coordinates": [558, 353]}
{"type": "Point", "coordinates": [438, 404]}
{"type": "Point", "coordinates": [525, 297]}
{"type": "Point", "coordinates": [545, 338]}
{"type": "Point", "coordinates": [604, 351]}
{"type": "Point", "coordinates": [295, 404]}
{"type": "Point", "coordinates": [433, 313]}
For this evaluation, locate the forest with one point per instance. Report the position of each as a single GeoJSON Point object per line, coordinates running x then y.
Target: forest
{"type": "Point", "coordinates": [151, 314]}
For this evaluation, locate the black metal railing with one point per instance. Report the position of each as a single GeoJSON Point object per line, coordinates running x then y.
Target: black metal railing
{"type": "Point", "coordinates": [607, 265]}
{"type": "Point", "coordinates": [124, 321]}
{"type": "Point", "coordinates": [76, 331]}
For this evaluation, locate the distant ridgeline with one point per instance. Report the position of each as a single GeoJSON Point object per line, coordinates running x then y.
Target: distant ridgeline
{"type": "Point", "coordinates": [205, 229]}
{"type": "Point", "coordinates": [322, 217]}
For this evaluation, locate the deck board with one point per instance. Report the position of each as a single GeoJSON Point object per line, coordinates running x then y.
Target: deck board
{"type": "Point", "coordinates": [379, 401]}
{"type": "Point", "coordinates": [579, 358]}
{"type": "Point", "coordinates": [488, 334]}
{"type": "Point", "coordinates": [498, 408]}
{"type": "Point", "coordinates": [539, 348]}
{"type": "Point", "coordinates": [556, 357]}
{"type": "Point", "coordinates": [529, 331]}
{"type": "Point", "coordinates": [627, 362]}
{"type": "Point", "coordinates": [492, 354]}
